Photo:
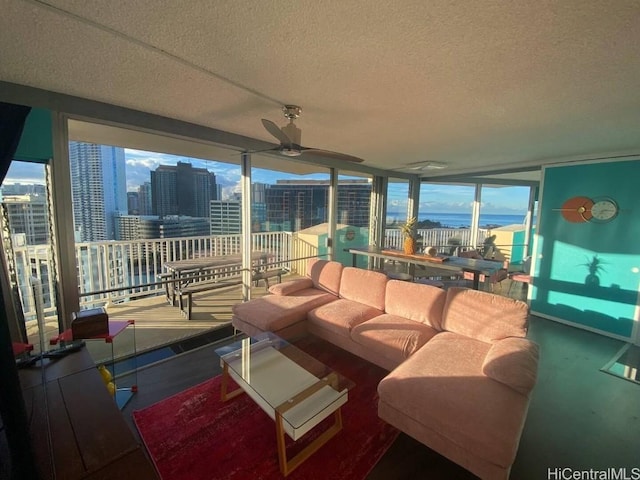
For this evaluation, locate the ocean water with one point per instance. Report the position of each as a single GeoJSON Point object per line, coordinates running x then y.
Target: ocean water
{"type": "Point", "coordinates": [463, 220]}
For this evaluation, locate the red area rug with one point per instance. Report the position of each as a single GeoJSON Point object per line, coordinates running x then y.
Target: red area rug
{"type": "Point", "coordinates": [195, 436]}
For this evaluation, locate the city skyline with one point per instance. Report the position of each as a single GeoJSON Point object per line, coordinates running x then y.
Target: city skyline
{"type": "Point", "coordinates": [435, 198]}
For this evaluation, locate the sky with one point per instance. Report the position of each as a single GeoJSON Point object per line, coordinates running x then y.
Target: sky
{"type": "Point", "coordinates": [433, 197]}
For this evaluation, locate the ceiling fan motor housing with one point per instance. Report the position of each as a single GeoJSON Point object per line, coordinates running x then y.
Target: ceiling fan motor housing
{"type": "Point", "coordinates": [291, 111]}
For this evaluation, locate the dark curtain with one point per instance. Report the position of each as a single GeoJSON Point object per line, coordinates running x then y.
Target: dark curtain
{"type": "Point", "coordinates": [12, 410]}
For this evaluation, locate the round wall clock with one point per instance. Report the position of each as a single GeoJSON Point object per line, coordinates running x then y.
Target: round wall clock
{"type": "Point", "coordinates": [585, 209]}
{"type": "Point", "coordinates": [604, 209]}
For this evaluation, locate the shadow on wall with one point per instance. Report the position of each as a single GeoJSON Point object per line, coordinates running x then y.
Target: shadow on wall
{"type": "Point", "coordinates": [591, 290]}
{"type": "Point", "coordinates": [594, 266]}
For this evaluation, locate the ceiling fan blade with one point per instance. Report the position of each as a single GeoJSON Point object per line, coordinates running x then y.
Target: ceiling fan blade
{"type": "Point", "coordinates": [335, 155]}
{"type": "Point", "coordinates": [275, 130]}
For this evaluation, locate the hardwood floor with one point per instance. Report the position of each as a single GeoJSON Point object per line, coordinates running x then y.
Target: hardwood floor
{"type": "Point", "coordinates": [579, 417]}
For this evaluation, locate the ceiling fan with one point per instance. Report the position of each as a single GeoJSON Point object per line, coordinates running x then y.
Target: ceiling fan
{"type": "Point", "coordinates": [289, 137]}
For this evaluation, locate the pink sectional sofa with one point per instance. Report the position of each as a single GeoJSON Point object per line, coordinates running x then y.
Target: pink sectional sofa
{"type": "Point", "coordinates": [461, 369]}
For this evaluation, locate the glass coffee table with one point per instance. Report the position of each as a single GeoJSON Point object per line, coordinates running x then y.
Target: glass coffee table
{"type": "Point", "coordinates": [294, 389]}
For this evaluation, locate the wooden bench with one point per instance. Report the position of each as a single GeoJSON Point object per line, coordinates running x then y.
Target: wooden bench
{"type": "Point", "coordinates": [174, 284]}
{"type": "Point", "coordinates": [185, 292]}
{"type": "Point", "coordinates": [266, 275]}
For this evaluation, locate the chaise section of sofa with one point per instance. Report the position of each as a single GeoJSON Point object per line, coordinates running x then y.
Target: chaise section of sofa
{"type": "Point", "coordinates": [465, 393]}
{"type": "Point", "coordinates": [284, 312]}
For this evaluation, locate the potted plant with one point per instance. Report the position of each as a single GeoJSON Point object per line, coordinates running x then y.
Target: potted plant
{"type": "Point", "coordinates": [410, 236]}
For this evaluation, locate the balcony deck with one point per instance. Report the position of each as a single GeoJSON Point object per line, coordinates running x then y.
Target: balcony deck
{"type": "Point", "coordinates": [157, 323]}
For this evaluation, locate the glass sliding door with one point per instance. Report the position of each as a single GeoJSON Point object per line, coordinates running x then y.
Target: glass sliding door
{"type": "Point", "coordinates": [289, 212]}
{"type": "Point", "coordinates": [397, 196]}
{"type": "Point", "coordinates": [147, 210]}
{"type": "Point", "coordinates": [503, 229]}
{"type": "Point", "coordinates": [445, 216]}
{"type": "Point", "coordinates": [352, 216]}
{"type": "Point", "coordinates": [28, 250]}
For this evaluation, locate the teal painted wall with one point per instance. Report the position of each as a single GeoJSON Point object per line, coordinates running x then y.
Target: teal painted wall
{"type": "Point", "coordinates": [36, 143]}
{"type": "Point", "coordinates": [563, 286]}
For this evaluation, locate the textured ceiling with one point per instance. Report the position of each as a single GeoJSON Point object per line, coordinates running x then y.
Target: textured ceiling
{"type": "Point", "coordinates": [477, 85]}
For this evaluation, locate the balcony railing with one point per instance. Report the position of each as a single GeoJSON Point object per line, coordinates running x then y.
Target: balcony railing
{"type": "Point", "coordinates": [115, 271]}
{"type": "Point", "coordinates": [437, 237]}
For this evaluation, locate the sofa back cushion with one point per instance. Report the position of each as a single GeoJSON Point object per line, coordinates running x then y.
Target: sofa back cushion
{"type": "Point", "coordinates": [483, 315]}
{"type": "Point", "coordinates": [420, 303]}
{"type": "Point", "coordinates": [363, 286]}
{"type": "Point", "coordinates": [325, 274]}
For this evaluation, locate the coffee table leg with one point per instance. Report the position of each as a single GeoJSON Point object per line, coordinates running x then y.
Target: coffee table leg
{"type": "Point", "coordinates": [224, 396]}
{"type": "Point", "coordinates": [287, 466]}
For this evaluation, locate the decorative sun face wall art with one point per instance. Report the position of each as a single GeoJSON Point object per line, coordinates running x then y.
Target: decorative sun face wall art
{"type": "Point", "coordinates": [587, 246]}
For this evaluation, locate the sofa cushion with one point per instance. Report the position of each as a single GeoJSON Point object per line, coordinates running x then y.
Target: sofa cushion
{"type": "Point", "coordinates": [483, 315]}
{"type": "Point", "coordinates": [514, 362]}
{"type": "Point", "coordinates": [422, 303]}
{"type": "Point", "coordinates": [363, 286]}
{"type": "Point", "coordinates": [325, 274]}
{"type": "Point", "coordinates": [274, 312]}
{"type": "Point", "coordinates": [442, 387]}
{"type": "Point", "coordinates": [290, 287]}
{"type": "Point", "coordinates": [342, 316]}
{"type": "Point", "coordinates": [394, 337]}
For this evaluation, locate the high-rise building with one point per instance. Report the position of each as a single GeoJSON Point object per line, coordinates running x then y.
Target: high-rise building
{"type": "Point", "coordinates": [182, 190]}
{"type": "Point", "coordinates": [298, 204]}
{"type": "Point", "coordinates": [28, 215]}
{"type": "Point", "coordinates": [137, 227]}
{"type": "Point", "coordinates": [98, 185]}
{"type": "Point", "coordinates": [259, 207]}
{"type": "Point", "coordinates": [133, 203]}
{"type": "Point", "coordinates": [144, 199]}
{"type": "Point", "coordinates": [225, 217]}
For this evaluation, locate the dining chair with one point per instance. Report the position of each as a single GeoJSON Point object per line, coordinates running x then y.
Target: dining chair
{"type": "Point", "coordinates": [522, 276]}
{"type": "Point", "coordinates": [494, 279]}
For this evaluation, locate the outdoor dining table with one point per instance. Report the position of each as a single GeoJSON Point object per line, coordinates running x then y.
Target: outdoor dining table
{"type": "Point", "coordinates": [456, 264]}
{"type": "Point", "coordinates": [184, 272]}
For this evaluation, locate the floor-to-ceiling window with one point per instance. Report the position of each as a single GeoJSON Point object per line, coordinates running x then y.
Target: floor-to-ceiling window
{"type": "Point", "coordinates": [445, 216]}
{"type": "Point", "coordinates": [352, 215]}
{"type": "Point", "coordinates": [503, 214]}
{"type": "Point", "coordinates": [147, 206]}
{"type": "Point", "coordinates": [397, 197]}
{"type": "Point", "coordinates": [27, 247]}
{"type": "Point", "coordinates": [289, 212]}
{"type": "Point", "coordinates": [134, 210]}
